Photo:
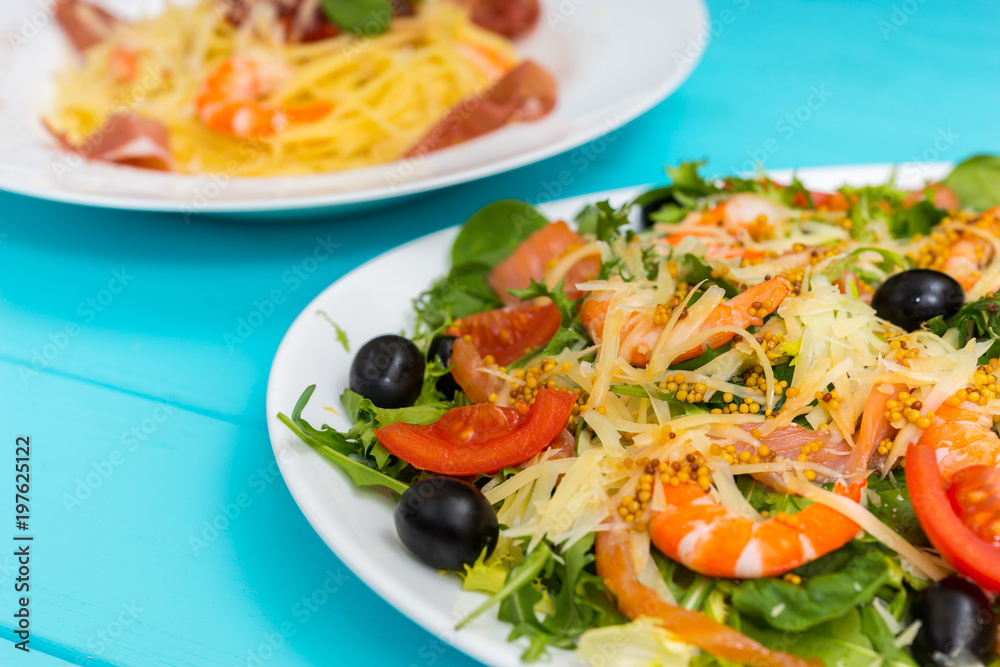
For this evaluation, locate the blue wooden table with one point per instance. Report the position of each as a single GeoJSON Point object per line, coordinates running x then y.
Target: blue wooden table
{"type": "Point", "coordinates": [131, 354]}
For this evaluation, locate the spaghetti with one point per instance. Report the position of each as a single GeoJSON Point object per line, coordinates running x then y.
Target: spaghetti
{"type": "Point", "coordinates": [328, 105]}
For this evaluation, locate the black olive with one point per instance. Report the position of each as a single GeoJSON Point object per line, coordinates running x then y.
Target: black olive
{"type": "Point", "coordinates": [446, 522]}
{"type": "Point", "coordinates": [910, 298]}
{"type": "Point", "coordinates": [653, 201]}
{"type": "Point", "coordinates": [441, 349]}
{"type": "Point", "coordinates": [388, 370]}
{"type": "Point", "coordinates": [954, 615]}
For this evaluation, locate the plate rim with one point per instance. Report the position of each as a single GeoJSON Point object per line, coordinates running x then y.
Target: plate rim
{"type": "Point", "coordinates": [347, 551]}
{"type": "Point", "coordinates": [383, 193]}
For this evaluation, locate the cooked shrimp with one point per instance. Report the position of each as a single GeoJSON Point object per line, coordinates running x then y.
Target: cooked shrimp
{"type": "Point", "coordinates": [641, 331]}
{"type": "Point", "coordinates": [964, 262]}
{"type": "Point", "coordinates": [491, 62]}
{"type": "Point", "coordinates": [962, 437]}
{"type": "Point", "coordinates": [741, 214]}
{"type": "Point", "coordinates": [231, 99]}
{"type": "Point", "coordinates": [718, 541]}
{"type": "Point", "coordinates": [615, 563]}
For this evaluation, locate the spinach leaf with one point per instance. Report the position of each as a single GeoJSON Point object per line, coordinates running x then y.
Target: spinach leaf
{"type": "Point", "coordinates": [894, 508]}
{"type": "Point", "coordinates": [841, 641]}
{"type": "Point", "coordinates": [338, 449]}
{"type": "Point", "coordinates": [362, 17]}
{"type": "Point", "coordinates": [494, 231]}
{"type": "Point", "coordinates": [694, 269]}
{"type": "Point", "coordinates": [976, 181]}
{"type": "Point", "coordinates": [464, 291]}
{"type": "Point", "coordinates": [918, 218]}
{"type": "Point", "coordinates": [820, 597]}
{"type": "Point", "coordinates": [883, 640]}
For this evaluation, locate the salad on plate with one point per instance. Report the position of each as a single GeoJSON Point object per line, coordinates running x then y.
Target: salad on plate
{"type": "Point", "coordinates": [730, 422]}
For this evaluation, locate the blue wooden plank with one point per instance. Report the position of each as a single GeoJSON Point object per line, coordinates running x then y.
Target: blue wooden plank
{"type": "Point", "coordinates": [166, 537]}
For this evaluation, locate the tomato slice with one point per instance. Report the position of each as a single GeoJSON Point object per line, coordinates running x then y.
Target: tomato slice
{"type": "Point", "coordinates": [957, 543]}
{"type": "Point", "coordinates": [508, 333]}
{"type": "Point", "coordinates": [975, 497]}
{"type": "Point", "coordinates": [466, 368]}
{"type": "Point", "coordinates": [481, 438]}
{"type": "Point", "coordinates": [529, 260]}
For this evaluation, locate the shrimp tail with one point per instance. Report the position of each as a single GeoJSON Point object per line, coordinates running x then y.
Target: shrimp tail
{"type": "Point", "coordinates": [615, 565]}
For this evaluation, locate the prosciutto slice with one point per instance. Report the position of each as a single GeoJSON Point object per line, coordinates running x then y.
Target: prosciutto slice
{"type": "Point", "coordinates": [510, 18]}
{"type": "Point", "coordinates": [525, 93]}
{"type": "Point", "coordinates": [84, 24]}
{"type": "Point", "coordinates": [125, 138]}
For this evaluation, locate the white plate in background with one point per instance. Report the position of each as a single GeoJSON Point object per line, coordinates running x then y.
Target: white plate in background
{"type": "Point", "coordinates": [612, 60]}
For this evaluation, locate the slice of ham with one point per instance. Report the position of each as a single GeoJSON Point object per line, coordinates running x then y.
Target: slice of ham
{"type": "Point", "coordinates": [510, 18]}
{"type": "Point", "coordinates": [525, 93]}
{"type": "Point", "coordinates": [84, 24]}
{"type": "Point", "coordinates": [125, 138]}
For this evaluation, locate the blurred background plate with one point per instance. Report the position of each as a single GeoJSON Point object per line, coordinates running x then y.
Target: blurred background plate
{"type": "Point", "coordinates": [612, 59]}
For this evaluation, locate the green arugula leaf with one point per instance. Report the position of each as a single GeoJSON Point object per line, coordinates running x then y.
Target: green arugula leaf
{"type": "Point", "coordinates": [519, 577]}
{"type": "Point", "coordinates": [362, 17]}
{"type": "Point", "coordinates": [464, 291]}
{"type": "Point", "coordinates": [678, 198]}
{"type": "Point", "coordinates": [819, 598]}
{"type": "Point", "coordinates": [976, 181]}
{"type": "Point", "coordinates": [494, 232]}
{"type": "Point", "coordinates": [332, 444]}
{"type": "Point", "coordinates": [889, 261]}
{"type": "Point", "coordinates": [979, 319]}
{"type": "Point", "coordinates": [610, 220]}
{"type": "Point", "coordinates": [341, 334]}
{"type": "Point", "coordinates": [567, 307]}
{"type": "Point", "coordinates": [572, 337]}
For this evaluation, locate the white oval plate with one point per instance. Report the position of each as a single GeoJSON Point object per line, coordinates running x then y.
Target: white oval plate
{"type": "Point", "coordinates": [612, 59]}
{"type": "Point", "coordinates": [357, 523]}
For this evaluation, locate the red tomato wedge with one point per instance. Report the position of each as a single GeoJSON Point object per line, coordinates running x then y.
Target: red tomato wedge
{"type": "Point", "coordinates": [957, 543]}
{"type": "Point", "coordinates": [529, 261]}
{"type": "Point", "coordinates": [975, 497]}
{"type": "Point", "coordinates": [481, 438]}
{"type": "Point", "coordinates": [508, 333]}
{"type": "Point", "coordinates": [466, 365]}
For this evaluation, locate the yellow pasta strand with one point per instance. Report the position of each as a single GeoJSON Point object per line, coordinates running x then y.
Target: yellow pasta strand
{"type": "Point", "coordinates": [386, 92]}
